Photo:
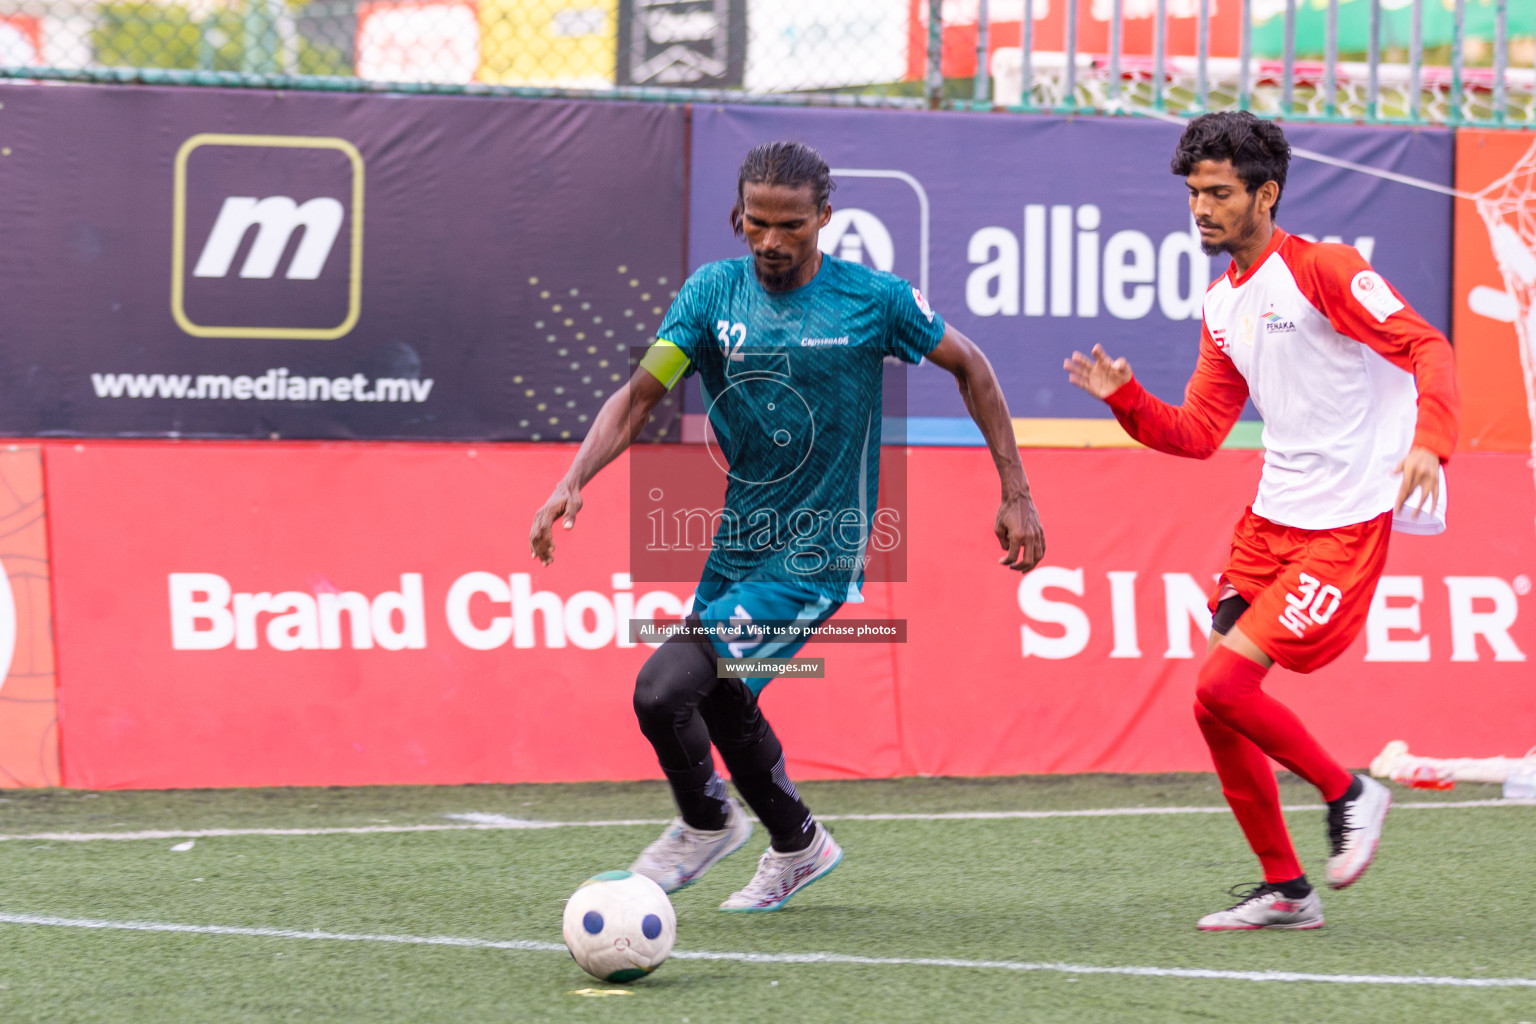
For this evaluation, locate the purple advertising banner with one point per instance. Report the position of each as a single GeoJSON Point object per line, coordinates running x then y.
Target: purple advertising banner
{"type": "Point", "coordinates": [198, 262]}
{"type": "Point", "coordinates": [1036, 236]}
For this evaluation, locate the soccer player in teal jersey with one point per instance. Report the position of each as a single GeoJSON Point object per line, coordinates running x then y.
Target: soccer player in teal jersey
{"type": "Point", "coordinates": [789, 346]}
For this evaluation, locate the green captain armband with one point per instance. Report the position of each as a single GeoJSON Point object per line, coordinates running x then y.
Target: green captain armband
{"type": "Point", "coordinates": [666, 362]}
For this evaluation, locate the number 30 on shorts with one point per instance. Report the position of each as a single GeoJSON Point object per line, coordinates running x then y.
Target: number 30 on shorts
{"type": "Point", "coordinates": [1312, 602]}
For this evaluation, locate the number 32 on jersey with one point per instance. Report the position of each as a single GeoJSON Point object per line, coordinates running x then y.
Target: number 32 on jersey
{"type": "Point", "coordinates": [732, 337]}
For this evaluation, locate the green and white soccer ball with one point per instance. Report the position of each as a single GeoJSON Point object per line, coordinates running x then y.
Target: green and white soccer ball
{"type": "Point", "coordinates": [619, 926]}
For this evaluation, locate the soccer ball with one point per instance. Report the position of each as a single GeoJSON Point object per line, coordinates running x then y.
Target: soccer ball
{"type": "Point", "coordinates": [619, 926]}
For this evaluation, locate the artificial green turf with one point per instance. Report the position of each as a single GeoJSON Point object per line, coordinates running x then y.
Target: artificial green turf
{"type": "Point", "coordinates": [1447, 897]}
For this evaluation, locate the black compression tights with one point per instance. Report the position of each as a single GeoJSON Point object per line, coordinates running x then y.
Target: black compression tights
{"type": "Point", "coordinates": [682, 707]}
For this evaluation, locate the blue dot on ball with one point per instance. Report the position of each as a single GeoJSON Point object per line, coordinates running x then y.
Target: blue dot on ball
{"type": "Point", "coordinates": [651, 926]}
{"type": "Point", "coordinates": [593, 922]}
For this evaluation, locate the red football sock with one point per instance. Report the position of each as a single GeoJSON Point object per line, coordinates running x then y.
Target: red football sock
{"type": "Point", "coordinates": [1248, 783]}
{"type": "Point", "coordinates": [1230, 689]}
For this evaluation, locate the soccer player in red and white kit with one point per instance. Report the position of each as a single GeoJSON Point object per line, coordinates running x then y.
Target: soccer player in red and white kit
{"type": "Point", "coordinates": [1358, 396]}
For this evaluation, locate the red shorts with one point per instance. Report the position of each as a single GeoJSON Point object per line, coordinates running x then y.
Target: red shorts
{"type": "Point", "coordinates": [1309, 591]}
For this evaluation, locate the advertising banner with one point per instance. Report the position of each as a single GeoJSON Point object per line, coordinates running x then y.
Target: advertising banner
{"type": "Point", "coordinates": [699, 44]}
{"type": "Point", "coordinates": [1005, 30]}
{"type": "Point", "coordinates": [1495, 275]}
{"type": "Point", "coordinates": [1089, 663]}
{"type": "Point", "coordinates": [199, 262]}
{"type": "Point", "coordinates": [29, 718]}
{"type": "Point", "coordinates": [1036, 236]}
{"type": "Point", "coordinates": [289, 614]}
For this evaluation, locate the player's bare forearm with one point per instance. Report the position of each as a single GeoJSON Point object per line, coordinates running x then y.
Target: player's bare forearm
{"type": "Point", "coordinates": [984, 400]}
{"type": "Point", "coordinates": [615, 428]}
{"type": "Point", "coordinates": [1018, 526]}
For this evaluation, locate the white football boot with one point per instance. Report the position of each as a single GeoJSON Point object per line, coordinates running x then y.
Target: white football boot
{"type": "Point", "coordinates": [1265, 906]}
{"type": "Point", "coordinates": [1354, 830]}
{"type": "Point", "coordinates": [683, 853]}
{"type": "Point", "coordinates": [781, 875]}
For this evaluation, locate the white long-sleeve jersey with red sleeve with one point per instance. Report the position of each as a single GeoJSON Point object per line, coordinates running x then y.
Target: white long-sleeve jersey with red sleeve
{"type": "Point", "coordinates": [1346, 375]}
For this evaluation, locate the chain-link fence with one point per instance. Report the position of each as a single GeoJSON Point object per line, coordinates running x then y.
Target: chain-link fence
{"type": "Point", "coordinates": [1453, 61]}
{"type": "Point", "coordinates": [756, 46]}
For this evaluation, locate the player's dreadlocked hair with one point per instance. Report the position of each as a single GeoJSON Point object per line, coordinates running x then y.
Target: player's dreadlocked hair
{"type": "Point", "coordinates": [1256, 147]}
{"type": "Point", "coordinates": [792, 164]}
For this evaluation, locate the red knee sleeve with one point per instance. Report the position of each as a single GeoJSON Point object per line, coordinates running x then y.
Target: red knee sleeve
{"type": "Point", "coordinates": [1227, 679]}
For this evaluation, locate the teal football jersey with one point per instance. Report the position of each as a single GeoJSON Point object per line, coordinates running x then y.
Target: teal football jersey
{"type": "Point", "coordinates": [793, 384]}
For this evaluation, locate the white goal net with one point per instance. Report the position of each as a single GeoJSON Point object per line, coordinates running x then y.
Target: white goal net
{"type": "Point", "coordinates": [1508, 209]}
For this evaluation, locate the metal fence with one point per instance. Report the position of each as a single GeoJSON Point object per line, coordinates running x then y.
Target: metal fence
{"type": "Point", "coordinates": [1430, 61]}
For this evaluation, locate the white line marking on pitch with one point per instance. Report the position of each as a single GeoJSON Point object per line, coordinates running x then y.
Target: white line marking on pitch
{"type": "Point", "coordinates": [209, 833]}
{"type": "Point", "coordinates": [524, 945]}
{"type": "Point", "coordinates": [1118, 812]}
{"type": "Point", "coordinates": [482, 822]}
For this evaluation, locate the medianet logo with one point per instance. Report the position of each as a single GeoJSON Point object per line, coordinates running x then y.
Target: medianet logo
{"type": "Point", "coordinates": [276, 219]}
{"type": "Point", "coordinates": [293, 206]}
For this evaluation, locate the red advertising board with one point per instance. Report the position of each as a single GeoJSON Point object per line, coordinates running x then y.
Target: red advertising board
{"type": "Point", "coordinates": [1089, 663]}
{"type": "Point", "coordinates": [1493, 294]}
{"type": "Point", "coordinates": [29, 737]}
{"type": "Point", "coordinates": [324, 614]}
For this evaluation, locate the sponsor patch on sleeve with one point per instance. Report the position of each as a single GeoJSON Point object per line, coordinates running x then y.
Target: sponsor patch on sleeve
{"type": "Point", "coordinates": [922, 304]}
{"type": "Point", "coordinates": [1372, 292]}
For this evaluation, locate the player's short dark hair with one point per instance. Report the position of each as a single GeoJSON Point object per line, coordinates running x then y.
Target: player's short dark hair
{"type": "Point", "coordinates": [792, 164]}
{"type": "Point", "coordinates": [1256, 147]}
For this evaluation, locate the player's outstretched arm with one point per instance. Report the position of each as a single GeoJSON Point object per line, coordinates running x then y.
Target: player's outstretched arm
{"type": "Point", "coordinates": [1018, 524]}
{"type": "Point", "coordinates": [617, 425]}
{"type": "Point", "coordinates": [1098, 375]}
{"type": "Point", "coordinates": [1213, 400]}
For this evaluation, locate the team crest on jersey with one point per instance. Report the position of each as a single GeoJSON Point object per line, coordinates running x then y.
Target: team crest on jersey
{"type": "Point", "coordinates": [1274, 323]}
{"type": "Point", "coordinates": [922, 304]}
{"type": "Point", "coordinates": [1245, 329]}
{"type": "Point", "coordinates": [1372, 292]}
